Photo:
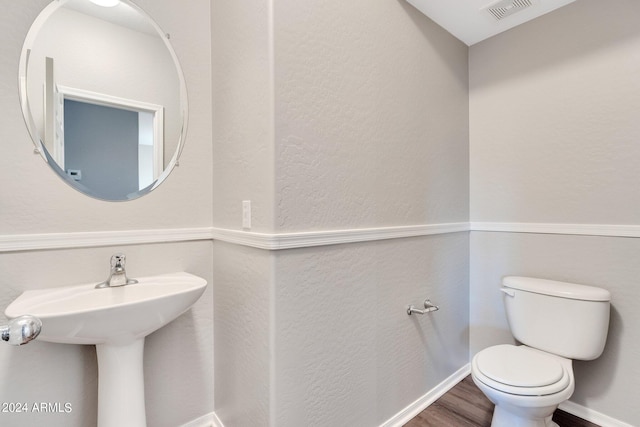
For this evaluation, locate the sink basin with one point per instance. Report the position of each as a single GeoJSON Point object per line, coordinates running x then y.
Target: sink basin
{"type": "Point", "coordinates": [116, 320]}
{"type": "Point", "coordinates": [119, 315]}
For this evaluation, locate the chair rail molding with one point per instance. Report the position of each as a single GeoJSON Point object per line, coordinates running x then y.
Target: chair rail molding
{"type": "Point", "coordinates": [609, 230]}
{"type": "Point", "coordinates": [306, 239]}
{"type": "Point", "coordinates": [267, 241]}
{"type": "Point", "coordinates": [89, 239]}
{"type": "Point", "coordinates": [292, 240]}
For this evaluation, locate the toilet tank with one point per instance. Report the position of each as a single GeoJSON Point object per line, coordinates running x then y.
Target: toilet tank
{"type": "Point", "coordinates": [562, 318]}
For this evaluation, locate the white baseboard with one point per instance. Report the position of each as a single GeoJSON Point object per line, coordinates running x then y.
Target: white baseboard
{"type": "Point", "coordinates": [208, 420]}
{"type": "Point", "coordinates": [398, 420]}
{"type": "Point", "coordinates": [403, 417]}
{"type": "Point", "coordinates": [591, 415]}
{"type": "Point", "coordinates": [216, 421]}
{"type": "Point", "coordinates": [411, 411]}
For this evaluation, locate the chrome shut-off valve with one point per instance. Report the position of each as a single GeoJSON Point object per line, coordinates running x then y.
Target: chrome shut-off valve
{"type": "Point", "coordinates": [21, 330]}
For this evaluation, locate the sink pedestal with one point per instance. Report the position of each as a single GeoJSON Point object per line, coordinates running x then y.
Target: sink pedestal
{"type": "Point", "coordinates": [121, 385]}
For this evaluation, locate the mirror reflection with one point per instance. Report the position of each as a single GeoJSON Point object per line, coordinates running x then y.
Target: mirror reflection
{"type": "Point", "coordinates": [103, 97]}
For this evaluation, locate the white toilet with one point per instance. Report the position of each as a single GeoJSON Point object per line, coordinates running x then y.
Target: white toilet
{"type": "Point", "coordinates": [556, 322]}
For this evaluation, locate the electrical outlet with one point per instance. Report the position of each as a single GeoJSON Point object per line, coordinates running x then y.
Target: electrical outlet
{"type": "Point", "coordinates": [246, 214]}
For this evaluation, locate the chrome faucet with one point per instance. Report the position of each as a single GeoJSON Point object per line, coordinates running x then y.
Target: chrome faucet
{"type": "Point", "coordinates": [118, 276]}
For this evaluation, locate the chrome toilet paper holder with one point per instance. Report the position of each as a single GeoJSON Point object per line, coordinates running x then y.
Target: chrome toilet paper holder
{"type": "Point", "coordinates": [428, 308]}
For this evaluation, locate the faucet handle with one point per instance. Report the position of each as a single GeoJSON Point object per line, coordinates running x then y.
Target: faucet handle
{"type": "Point", "coordinates": [118, 261]}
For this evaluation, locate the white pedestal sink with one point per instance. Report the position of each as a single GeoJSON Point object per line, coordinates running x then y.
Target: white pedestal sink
{"type": "Point", "coordinates": [116, 320]}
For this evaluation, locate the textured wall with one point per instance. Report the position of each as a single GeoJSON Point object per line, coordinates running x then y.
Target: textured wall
{"type": "Point", "coordinates": [346, 353]}
{"type": "Point", "coordinates": [243, 157]}
{"type": "Point", "coordinates": [337, 115]}
{"type": "Point", "coordinates": [554, 127]}
{"type": "Point", "coordinates": [371, 113]}
{"type": "Point", "coordinates": [554, 107]}
{"type": "Point", "coordinates": [371, 117]}
{"type": "Point", "coordinates": [178, 359]}
{"type": "Point", "coordinates": [242, 170]}
{"type": "Point", "coordinates": [243, 312]}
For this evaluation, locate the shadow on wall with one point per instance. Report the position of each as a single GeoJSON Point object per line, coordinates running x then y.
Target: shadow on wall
{"type": "Point", "coordinates": [438, 350]}
{"type": "Point", "coordinates": [600, 373]}
{"type": "Point", "coordinates": [440, 41]}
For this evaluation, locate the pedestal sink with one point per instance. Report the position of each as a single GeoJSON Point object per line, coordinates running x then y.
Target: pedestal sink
{"type": "Point", "coordinates": [116, 320]}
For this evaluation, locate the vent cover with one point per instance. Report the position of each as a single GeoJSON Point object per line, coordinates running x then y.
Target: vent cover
{"type": "Point", "coordinates": [504, 8]}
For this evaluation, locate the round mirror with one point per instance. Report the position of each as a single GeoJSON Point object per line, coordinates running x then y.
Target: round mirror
{"type": "Point", "coordinates": [103, 97]}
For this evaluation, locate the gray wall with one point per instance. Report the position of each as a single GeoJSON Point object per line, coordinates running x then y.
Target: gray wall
{"type": "Point", "coordinates": [331, 116]}
{"type": "Point", "coordinates": [243, 157]}
{"type": "Point", "coordinates": [554, 107]}
{"type": "Point", "coordinates": [345, 351]}
{"type": "Point", "coordinates": [371, 117]}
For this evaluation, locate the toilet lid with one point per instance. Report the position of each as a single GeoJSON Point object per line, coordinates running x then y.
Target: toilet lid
{"type": "Point", "coordinates": [519, 366]}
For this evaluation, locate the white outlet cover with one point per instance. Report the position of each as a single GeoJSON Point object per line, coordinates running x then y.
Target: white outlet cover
{"type": "Point", "coordinates": [246, 214]}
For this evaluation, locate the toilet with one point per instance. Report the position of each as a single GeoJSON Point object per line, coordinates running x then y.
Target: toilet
{"type": "Point", "coordinates": [555, 322]}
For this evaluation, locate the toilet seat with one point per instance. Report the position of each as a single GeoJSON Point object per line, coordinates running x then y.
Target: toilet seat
{"type": "Point", "coordinates": [520, 370]}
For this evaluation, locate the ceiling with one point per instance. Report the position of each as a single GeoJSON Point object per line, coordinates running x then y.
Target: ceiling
{"type": "Point", "coordinates": [472, 21]}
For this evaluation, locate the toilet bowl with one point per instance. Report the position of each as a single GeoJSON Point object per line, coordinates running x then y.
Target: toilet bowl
{"type": "Point", "coordinates": [556, 322]}
{"type": "Point", "coordinates": [525, 384]}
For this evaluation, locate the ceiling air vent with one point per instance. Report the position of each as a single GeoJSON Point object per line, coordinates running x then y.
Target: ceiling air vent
{"type": "Point", "coordinates": [503, 8]}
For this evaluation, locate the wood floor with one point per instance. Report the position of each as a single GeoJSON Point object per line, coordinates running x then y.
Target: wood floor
{"type": "Point", "coordinates": [466, 406]}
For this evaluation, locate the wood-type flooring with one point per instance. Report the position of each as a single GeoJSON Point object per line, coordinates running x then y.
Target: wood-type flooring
{"type": "Point", "coordinates": [466, 406]}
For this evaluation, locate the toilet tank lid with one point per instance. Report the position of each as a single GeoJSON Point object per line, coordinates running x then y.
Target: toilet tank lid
{"type": "Point", "coordinates": [557, 289]}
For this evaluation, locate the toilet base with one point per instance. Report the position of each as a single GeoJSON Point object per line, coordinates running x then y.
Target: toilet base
{"type": "Point", "coordinates": [503, 417]}
{"type": "Point", "coordinates": [514, 410]}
